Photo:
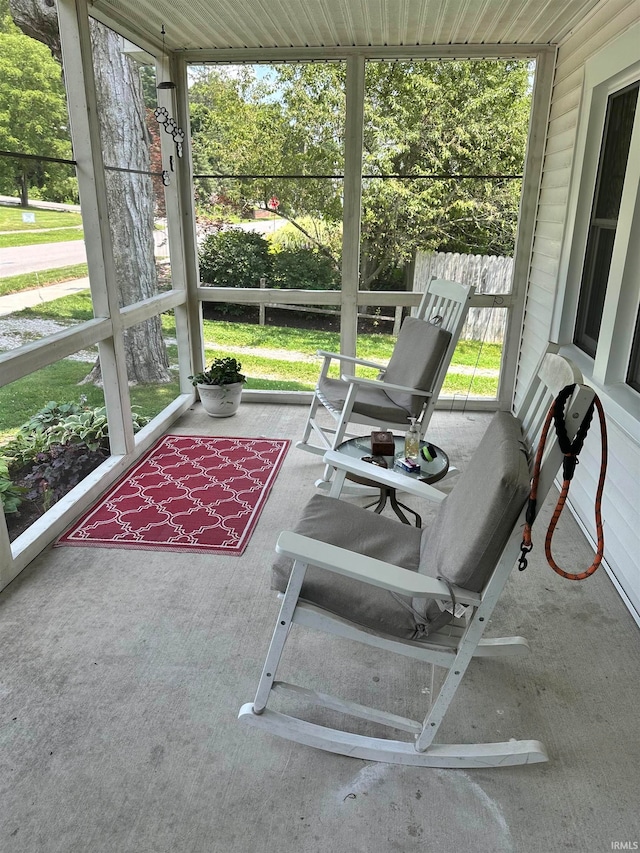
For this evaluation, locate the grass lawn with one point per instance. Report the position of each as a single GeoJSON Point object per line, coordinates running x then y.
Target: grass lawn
{"type": "Point", "coordinates": [69, 309]}
{"type": "Point", "coordinates": [65, 235]}
{"type": "Point", "coordinates": [278, 358]}
{"type": "Point", "coordinates": [11, 218]}
{"type": "Point", "coordinates": [31, 280]}
{"type": "Point", "coordinates": [59, 382]}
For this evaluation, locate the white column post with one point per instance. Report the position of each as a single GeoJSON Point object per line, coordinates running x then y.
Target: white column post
{"type": "Point", "coordinates": [79, 79]}
{"type": "Point", "coordinates": [351, 215]}
{"type": "Point", "coordinates": [545, 69]}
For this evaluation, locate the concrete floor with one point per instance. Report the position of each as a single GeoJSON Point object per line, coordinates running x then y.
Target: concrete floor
{"type": "Point", "coordinates": [122, 675]}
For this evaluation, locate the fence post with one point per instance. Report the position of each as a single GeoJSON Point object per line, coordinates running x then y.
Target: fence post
{"type": "Point", "coordinates": [263, 284]}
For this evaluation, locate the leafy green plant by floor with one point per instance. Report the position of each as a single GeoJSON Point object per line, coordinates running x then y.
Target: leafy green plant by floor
{"type": "Point", "coordinates": [11, 495]}
{"type": "Point", "coordinates": [59, 469]}
{"type": "Point", "coordinates": [61, 424]}
{"type": "Point", "coordinates": [22, 449]}
{"type": "Point", "coordinates": [89, 426]}
{"type": "Point", "coordinates": [52, 415]}
{"type": "Point", "coordinates": [223, 371]}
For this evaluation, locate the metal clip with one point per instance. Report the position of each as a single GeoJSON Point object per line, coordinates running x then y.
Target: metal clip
{"type": "Point", "coordinates": [524, 550]}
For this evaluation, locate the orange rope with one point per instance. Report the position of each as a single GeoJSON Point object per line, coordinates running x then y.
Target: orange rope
{"type": "Point", "coordinates": [526, 538]}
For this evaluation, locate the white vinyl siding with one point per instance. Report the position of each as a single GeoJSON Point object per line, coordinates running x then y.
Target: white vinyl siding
{"type": "Point", "coordinates": [544, 318]}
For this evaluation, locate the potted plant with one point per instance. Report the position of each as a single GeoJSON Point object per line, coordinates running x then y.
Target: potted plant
{"type": "Point", "coordinates": [220, 387]}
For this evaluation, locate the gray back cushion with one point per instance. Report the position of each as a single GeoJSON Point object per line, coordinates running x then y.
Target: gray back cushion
{"type": "Point", "coordinates": [475, 520]}
{"type": "Point", "coordinates": [415, 361]}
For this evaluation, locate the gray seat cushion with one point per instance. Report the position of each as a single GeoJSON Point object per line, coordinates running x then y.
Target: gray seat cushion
{"type": "Point", "coordinates": [416, 359]}
{"type": "Point", "coordinates": [360, 530]}
{"type": "Point", "coordinates": [370, 402]}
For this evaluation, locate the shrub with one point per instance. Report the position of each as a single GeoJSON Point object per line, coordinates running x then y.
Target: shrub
{"type": "Point", "coordinates": [20, 451]}
{"type": "Point", "coordinates": [234, 258]}
{"type": "Point", "coordinates": [304, 269]}
{"type": "Point", "coordinates": [318, 232]}
{"type": "Point", "coordinates": [51, 415]}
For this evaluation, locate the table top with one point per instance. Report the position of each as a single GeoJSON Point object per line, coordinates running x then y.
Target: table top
{"type": "Point", "coordinates": [430, 472]}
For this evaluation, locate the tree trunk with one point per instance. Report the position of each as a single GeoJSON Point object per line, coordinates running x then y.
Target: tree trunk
{"type": "Point", "coordinates": [126, 145]}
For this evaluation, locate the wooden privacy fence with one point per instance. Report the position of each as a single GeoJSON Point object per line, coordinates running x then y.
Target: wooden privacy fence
{"type": "Point", "coordinates": [489, 274]}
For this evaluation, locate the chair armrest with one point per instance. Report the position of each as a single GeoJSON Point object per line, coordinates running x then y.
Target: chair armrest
{"type": "Point", "coordinates": [390, 386]}
{"type": "Point", "coordinates": [367, 569]}
{"type": "Point", "coordinates": [350, 358]}
{"type": "Point", "coordinates": [385, 476]}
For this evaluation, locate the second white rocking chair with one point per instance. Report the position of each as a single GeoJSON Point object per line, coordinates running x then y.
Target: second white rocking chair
{"type": "Point", "coordinates": [407, 387]}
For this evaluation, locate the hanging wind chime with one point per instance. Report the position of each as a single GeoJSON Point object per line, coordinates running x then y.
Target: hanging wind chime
{"type": "Point", "coordinates": [168, 123]}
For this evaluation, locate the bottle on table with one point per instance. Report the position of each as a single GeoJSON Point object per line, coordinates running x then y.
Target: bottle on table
{"type": "Point", "coordinates": [412, 442]}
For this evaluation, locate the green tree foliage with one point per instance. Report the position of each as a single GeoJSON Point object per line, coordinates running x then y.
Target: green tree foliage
{"type": "Point", "coordinates": [236, 130]}
{"type": "Point", "coordinates": [451, 118]}
{"type": "Point", "coordinates": [33, 116]}
{"type": "Point", "coordinates": [448, 118]}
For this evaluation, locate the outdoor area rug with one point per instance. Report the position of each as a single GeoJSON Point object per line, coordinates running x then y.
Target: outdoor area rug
{"type": "Point", "coordinates": [188, 493]}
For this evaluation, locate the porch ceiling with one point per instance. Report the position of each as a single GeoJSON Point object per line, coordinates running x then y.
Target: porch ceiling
{"type": "Point", "coordinates": [286, 24]}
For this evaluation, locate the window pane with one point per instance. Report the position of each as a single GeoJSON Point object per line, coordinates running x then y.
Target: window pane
{"type": "Point", "coordinates": [130, 134]}
{"type": "Point", "coordinates": [152, 353]}
{"type": "Point", "coordinates": [475, 367]}
{"type": "Point", "coordinates": [41, 237]}
{"type": "Point", "coordinates": [45, 317]}
{"type": "Point", "coordinates": [33, 118]}
{"type": "Point", "coordinates": [33, 437]}
{"type": "Point", "coordinates": [633, 376]}
{"type": "Point", "coordinates": [268, 160]}
{"type": "Point", "coordinates": [608, 195]}
{"type": "Point", "coordinates": [622, 111]}
{"type": "Point", "coordinates": [594, 287]}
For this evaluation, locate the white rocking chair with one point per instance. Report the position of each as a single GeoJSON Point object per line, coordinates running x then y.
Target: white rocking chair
{"type": "Point", "coordinates": [371, 579]}
{"type": "Point", "coordinates": [407, 387]}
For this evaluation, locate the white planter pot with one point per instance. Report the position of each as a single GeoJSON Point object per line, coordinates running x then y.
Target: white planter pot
{"type": "Point", "coordinates": [220, 401]}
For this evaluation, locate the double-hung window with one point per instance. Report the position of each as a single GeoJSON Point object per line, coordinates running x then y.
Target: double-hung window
{"type": "Point", "coordinates": [612, 167]}
{"type": "Point", "coordinates": [599, 299]}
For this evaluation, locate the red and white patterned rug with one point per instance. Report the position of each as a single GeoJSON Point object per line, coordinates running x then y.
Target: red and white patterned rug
{"type": "Point", "coordinates": [188, 493]}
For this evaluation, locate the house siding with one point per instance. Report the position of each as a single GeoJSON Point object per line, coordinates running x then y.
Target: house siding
{"type": "Point", "coordinates": [622, 499]}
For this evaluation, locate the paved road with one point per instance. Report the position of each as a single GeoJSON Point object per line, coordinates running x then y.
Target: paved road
{"type": "Point", "coordinates": [44, 256]}
{"type": "Point", "coordinates": [44, 205]}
